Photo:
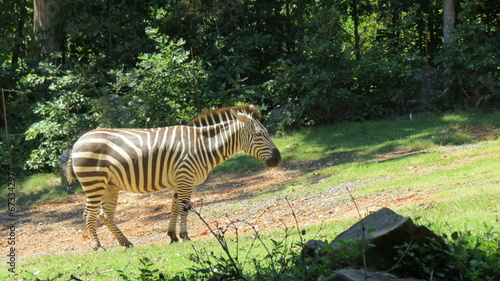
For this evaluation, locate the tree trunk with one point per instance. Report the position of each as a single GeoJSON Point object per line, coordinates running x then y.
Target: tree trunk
{"type": "Point", "coordinates": [300, 23]}
{"type": "Point", "coordinates": [50, 38]}
{"type": "Point", "coordinates": [448, 27]}
{"type": "Point", "coordinates": [355, 19]}
{"type": "Point", "coordinates": [16, 49]}
{"type": "Point", "coordinates": [448, 21]}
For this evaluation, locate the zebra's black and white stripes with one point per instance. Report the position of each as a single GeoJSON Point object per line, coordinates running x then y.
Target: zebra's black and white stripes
{"type": "Point", "coordinates": [147, 160]}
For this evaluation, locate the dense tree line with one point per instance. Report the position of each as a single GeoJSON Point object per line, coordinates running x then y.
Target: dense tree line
{"type": "Point", "coordinates": [68, 66]}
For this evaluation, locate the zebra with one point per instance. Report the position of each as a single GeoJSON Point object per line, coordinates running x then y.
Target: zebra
{"type": "Point", "coordinates": [147, 160]}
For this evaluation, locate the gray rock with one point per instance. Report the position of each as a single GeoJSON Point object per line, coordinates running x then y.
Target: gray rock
{"type": "Point", "coordinates": [378, 234]}
{"type": "Point", "coordinates": [373, 243]}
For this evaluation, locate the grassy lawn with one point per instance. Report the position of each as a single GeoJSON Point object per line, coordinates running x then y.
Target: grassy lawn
{"type": "Point", "coordinates": [454, 158]}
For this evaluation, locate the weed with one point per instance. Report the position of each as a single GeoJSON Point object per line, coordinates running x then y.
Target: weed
{"type": "Point", "coordinates": [146, 274]}
{"type": "Point", "coordinates": [279, 261]}
{"type": "Point", "coordinates": [471, 257]}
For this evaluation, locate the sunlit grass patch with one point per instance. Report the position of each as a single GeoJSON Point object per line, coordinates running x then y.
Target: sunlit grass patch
{"type": "Point", "coordinates": [464, 209]}
{"type": "Point", "coordinates": [41, 187]}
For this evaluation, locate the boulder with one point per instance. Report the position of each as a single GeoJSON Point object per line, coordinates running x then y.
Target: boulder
{"type": "Point", "coordinates": [373, 242]}
{"type": "Point", "coordinates": [379, 233]}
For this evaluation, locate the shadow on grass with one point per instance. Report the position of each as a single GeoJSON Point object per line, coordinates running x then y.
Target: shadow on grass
{"type": "Point", "coordinates": [365, 142]}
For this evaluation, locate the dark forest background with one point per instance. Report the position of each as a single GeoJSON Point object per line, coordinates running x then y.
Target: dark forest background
{"type": "Point", "coordinates": [68, 66]}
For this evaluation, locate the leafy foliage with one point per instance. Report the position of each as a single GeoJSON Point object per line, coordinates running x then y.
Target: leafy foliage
{"type": "Point", "coordinates": [386, 82]}
{"type": "Point", "coordinates": [164, 89]}
{"type": "Point", "coordinates": [472, 65]}
{"type": "Point", "coordinates": [63, 115]}
{"type": "Point", "coordinates": [147, 273]}
{"type": "Point", "coordinates": [111, 33]}
{"type": "Point", "coordinates": [159, 92]}
{"type": "Point", "coordinates": [471, 257]}
{"type": "Point", "coordinates": [154, 63]}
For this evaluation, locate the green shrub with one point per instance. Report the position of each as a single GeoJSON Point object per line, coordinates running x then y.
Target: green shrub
{"type": "Point", "coordinates": [159, 91]}
{"type": "Point", "coordinates": [471, 64]}
{"type": "Point", "coordinates": [471, 257]}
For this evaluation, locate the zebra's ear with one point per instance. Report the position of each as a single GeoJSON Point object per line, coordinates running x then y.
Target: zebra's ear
{"type": "Point", "coordinates": [245, 118]}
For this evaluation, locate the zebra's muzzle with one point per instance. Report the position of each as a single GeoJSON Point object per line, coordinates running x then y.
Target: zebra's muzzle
{"type": "Point", "coordinates": [274, 159]}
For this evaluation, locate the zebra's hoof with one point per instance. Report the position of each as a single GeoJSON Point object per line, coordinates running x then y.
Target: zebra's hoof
{"type": "Point", "coordinates": [185, 237]}
{"type": "Point", "coordinates": [127, 245]}
{"type": "Point", "coordinates": [173, 237]}
{"type": "Point", "coordinates": [99, 249]}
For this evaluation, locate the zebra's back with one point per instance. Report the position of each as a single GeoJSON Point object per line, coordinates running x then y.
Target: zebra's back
{"type": "Point", "coordinates": [136, 160]}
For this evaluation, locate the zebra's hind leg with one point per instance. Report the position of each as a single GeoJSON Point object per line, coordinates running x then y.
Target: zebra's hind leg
{"type": "Point", "coordinates": [108, 206]}
{"type": "Point", "coordinates": [94, 197]}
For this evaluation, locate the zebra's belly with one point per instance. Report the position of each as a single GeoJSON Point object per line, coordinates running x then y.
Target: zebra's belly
{"type": "Point", "coordinates": [141, 184]}
{"type": "Point", "coordinates": [146, 187]}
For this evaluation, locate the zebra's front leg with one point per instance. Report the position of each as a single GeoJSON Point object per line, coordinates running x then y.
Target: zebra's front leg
{"type": "Point", "coordinates": [172, 224]}
{"type": "Point", "coordinates": [185, 207]}
{"type": "Point", "coordinates": [181, 204]}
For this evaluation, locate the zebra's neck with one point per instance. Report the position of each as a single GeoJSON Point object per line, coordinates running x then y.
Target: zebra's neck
{"type": "Point", "coordinates": [221, 141]}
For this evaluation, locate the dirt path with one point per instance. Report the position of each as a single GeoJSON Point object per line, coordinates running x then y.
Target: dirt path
{"type": "Point", "coordinates": [56, 227]}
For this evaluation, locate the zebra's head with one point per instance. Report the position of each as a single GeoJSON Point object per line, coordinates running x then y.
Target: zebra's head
{"type": "Point", "coordinates": [255, 140]}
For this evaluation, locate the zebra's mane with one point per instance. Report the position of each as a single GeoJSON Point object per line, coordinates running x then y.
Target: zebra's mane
{"type": "Point", "coordinates": [215, 116]}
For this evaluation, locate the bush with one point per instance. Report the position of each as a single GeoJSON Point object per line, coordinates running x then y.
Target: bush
{"type": "Point", "coordinates": [63, 116]}
{"type": "Point", "coordinates": [313, 92]}
{"type": "Point", "coordinates": [474, 257]}
{"type": "Point", "coordinates": [471, 66]}
{"type": "Point", "coordinates": [386, 83]}
{"type": "Point", "coordinates": [161, 90]}
{"type": "Point", "coordinates": [165, 88]}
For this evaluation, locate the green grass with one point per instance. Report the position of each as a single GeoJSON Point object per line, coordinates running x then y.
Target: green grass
{"type": "Point", "coordinates": [454, 158]}
{"type": "Point", "coordinates": [172, 259]}
{"type": "Point", "coordinates": [106, 265]}
{"type": "Point", "coordinates": [461, 208]}
{"type": "Point", "coordinates": [40, 187]}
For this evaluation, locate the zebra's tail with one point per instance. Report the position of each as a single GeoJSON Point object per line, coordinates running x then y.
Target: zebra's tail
{"type": "Point", "coordinates": [70, 174]}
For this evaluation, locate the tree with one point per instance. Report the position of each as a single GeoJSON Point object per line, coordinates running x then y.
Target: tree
{"type": "Point", "coordinates": [470, 58]}
{"type": "Point", "coordinates": [46, 32]}
{"type": "Point", "coordinates": [448, 20]}
{"type": "Point", "coordinates": [14, 21]}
